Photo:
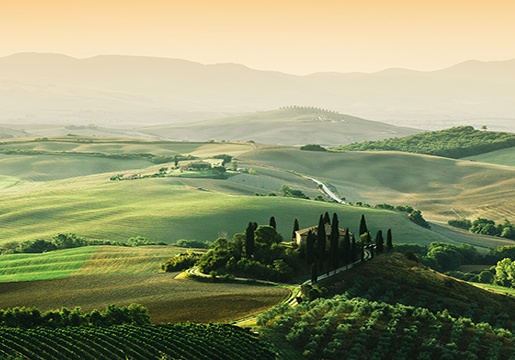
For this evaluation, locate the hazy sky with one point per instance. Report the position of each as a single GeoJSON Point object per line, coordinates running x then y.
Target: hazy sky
{"type": "Point", "coordinates": [294, 36]}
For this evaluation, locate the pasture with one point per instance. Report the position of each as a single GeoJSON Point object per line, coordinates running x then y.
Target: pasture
{"type": "Point", "coordinates": [441, 188]}
{"type": "Point", "coordinates": [500, 157]}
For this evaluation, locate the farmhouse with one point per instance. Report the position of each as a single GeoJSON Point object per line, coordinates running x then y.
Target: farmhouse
{"type": "Point", "coordinates": [302, 235]}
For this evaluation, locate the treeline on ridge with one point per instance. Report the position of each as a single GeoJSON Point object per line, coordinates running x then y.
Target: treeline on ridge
{"type": "Point", "coordinates": [456, 142]}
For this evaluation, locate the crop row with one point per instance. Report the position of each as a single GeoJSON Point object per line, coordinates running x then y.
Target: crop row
{"type": "Point", "coordinates": [177, 341]}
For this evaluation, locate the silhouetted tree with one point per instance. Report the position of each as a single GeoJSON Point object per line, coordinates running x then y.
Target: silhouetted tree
{"type": "Point", "coordinates": [354, 249]}
{"type": "Point", "coordinates": [310, 247]}
{"type": "Point", "coordinates": [249, 239]}
{"type": "Point", "coordinates": [321, 241]}
{"type": "Point", "coordinates": [272, 222]}
{"type": "Point", "coordinates": [314, 272]}
{"type": "Point", "coordinates": [379, 242]}
{"type": "Point", "coordinates": [347, 250]}
{"type": "Point", "coordinates": [363, 225]}
{"type": "Point", "coordinates": [295, 228]}
{"type": "Point", "coordinates": [327, 219]}
{"type": "Point", "coordinates": [389, 241]}
{"type": "Point", "coordinates": [335, 236]}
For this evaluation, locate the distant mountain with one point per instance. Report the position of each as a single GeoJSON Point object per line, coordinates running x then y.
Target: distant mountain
{"type": "Point", "coordinates": [121, 90]}
{"type": "Point", "coordinates": [286, 126]}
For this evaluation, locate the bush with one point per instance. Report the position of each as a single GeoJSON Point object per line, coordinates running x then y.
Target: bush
{"type": "Point", "coordinates": [181, 262]}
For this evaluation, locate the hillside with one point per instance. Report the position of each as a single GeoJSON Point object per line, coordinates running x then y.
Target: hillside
{"type": "Point", "coordinates": [62, 185]}
{"type": "Point", "coordinates": [126, 90]}
{"type": "Point", "coordinates": [443, 318]}
{"type": "Point", "coordinates": [286, 126]}
{"type": "Point", "coordinates": [441, 188]}
{"type": "Point", "coordinates": [500, 157]}
{"type": "Point", "coordinates": [456, 142]}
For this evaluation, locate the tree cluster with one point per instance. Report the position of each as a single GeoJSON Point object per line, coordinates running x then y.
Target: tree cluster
{"type": "Point", "coordinates": [486, 227]}
{"type": "Point", "coordinates": [456, 142]}
{"type": "Point", "coordinates": [23, 317]}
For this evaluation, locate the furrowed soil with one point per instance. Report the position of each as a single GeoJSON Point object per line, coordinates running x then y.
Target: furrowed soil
{"type": "Point", "coordinates": [167, 299]}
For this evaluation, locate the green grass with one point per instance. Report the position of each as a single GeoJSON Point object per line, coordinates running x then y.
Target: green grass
{"type": "Point", "coordinates": [441, 188]}
{"type": "Point", "coordinates": [496, 288]}
{"type": "Point", "coordinates": [88, 260]}
{"type": "Point", "coordinates": [500, 157]}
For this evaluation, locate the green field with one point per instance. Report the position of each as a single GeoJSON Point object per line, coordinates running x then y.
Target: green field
{"type": "Point", "coordinates": [88, 260]}
{"type": "Point", "coordinates": [169, 209]}
{"type": "Point", "coordinates": [500, 157]}
{"type": "Point", "coordinates": [441, 188]}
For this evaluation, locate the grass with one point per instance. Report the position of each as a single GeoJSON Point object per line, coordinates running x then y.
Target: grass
{"type": "Point", "coordinates": [496, 288]}
{"type": "Point", "coordinates": [500, 157]}
{"type": "Point", "coordinates": [88, 260]}
{"type": "Point", "coordinates": [441, 188]}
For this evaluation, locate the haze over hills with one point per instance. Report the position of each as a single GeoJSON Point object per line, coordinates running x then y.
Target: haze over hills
{"type": "Point", "coordinates": [285, 126]}
{"type": "Point", "coordinates": [130, 91]}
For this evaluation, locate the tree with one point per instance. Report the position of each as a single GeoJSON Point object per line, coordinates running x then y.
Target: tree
{"type": "Point", "coordinates": [353, 250]}
{"type": "Point", "coordinates": [335, 237]}
{"type": "Point", "coordinates": [295, 228]}
{"type": "Point", "coordinates": [314, 272]}
{"type": "Point", "coordinates": [249, 240]}
{"type": "Point", "coordinates": [347, 248]}
{"type": "Point", "coordinates": [362, 225]}
{"type": "Point", "coordinates": [272, 222]}
{"type": "Point", "coordinates": [379, 242]}
{"type": "Point", "coordinates": [327, 219]}
{"type": "Point", "coordinates": [310, 247]}
{"type": "Point", "coordinates": [321, 240]}
{"type": "Point", "coordinates": [389, 241]}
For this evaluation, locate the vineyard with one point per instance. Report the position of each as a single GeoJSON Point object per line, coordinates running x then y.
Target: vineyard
{"type": "Point", "coordinates": [171, 341]}
{"type": "Point", "coordinates": [344, 328]}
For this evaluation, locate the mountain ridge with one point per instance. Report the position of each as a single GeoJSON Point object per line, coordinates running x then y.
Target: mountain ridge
{"type": "Point", "coordinates": [137, 90]}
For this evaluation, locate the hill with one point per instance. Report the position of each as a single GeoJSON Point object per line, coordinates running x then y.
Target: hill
{"type": "Point", "coordinates": [457, 142]}
{"type": "Point", "coordinates": [286, 126]}
{"type": "Point", "coordinates": [128, 91]}
{"type": "Point", "coordinates": [171, 341]}
{"type": "Point", "coordinates": [391, 308]}
{"type": "Point", "coordinates": [442, 188]}
{"type": "Point", "coordinates": [500, 157]}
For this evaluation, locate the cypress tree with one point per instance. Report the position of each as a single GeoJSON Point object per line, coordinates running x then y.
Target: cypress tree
{"type": "Point", "coordinates": [295, 228]}
{"type": "Point", "coordinates": [272, 223]}
{"type": "Point", "coordinates": [249, 239]}
{"type": "Point", "coordinates": [321, 241]}
{"type": "Point", "coordinates": [354, 249]}
{"type": "Point", "coordinates": [389, 242]}
{"type": "Point", "coordinates": [310, 247]}
{"type": "Point", "coordinates": [314, 272]}
{"type": "Point", "coordinates": [379, 242]}
{"type": "Point", "coordinates": [327, 219]}
{"type": "Point", "coordinates": [362, 225]}
{"type": "Point", "coordinates": [335, 237]}
{"type": "Point", "coordinates": [347, 250]}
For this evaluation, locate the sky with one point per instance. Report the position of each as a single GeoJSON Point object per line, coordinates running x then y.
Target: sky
{"type": "Point", "coordinates": [292, 36]}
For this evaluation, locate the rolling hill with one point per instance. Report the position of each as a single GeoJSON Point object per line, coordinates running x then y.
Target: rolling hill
{"type": "Point", "coordinates": [442, 188]}
{"type": "Point", "coordinates": [286, 126]}
{"type": "Point", "coordinates": [63, 189]}
{"type": "Point", "coordinates": [128, 91]}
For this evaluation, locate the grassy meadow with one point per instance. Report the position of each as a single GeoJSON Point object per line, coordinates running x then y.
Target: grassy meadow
{"type": "Point", "coordinates": [500, 157]}
{"type": "Point", "coordinates": [87, 260]}
{"type": "Point", "coordinates": [441, 188]}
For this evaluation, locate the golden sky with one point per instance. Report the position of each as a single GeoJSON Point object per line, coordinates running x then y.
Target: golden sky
{"type": "Point", "coordinates": [294, 36]}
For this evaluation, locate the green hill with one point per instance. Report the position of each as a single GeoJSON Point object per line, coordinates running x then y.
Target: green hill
{"type": "Point", "coordinates": [441, 188]}
{"type": "Point", "coordinates": [287, 126]}
{"type": "Point", "coordinates": [392, 308]}
{"type": "Point", "coordinates": [500, 157]}
{"type": "Point", "coordinates": [172, 341]}
{"type": "Point", "coordinates": [456, 142]}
